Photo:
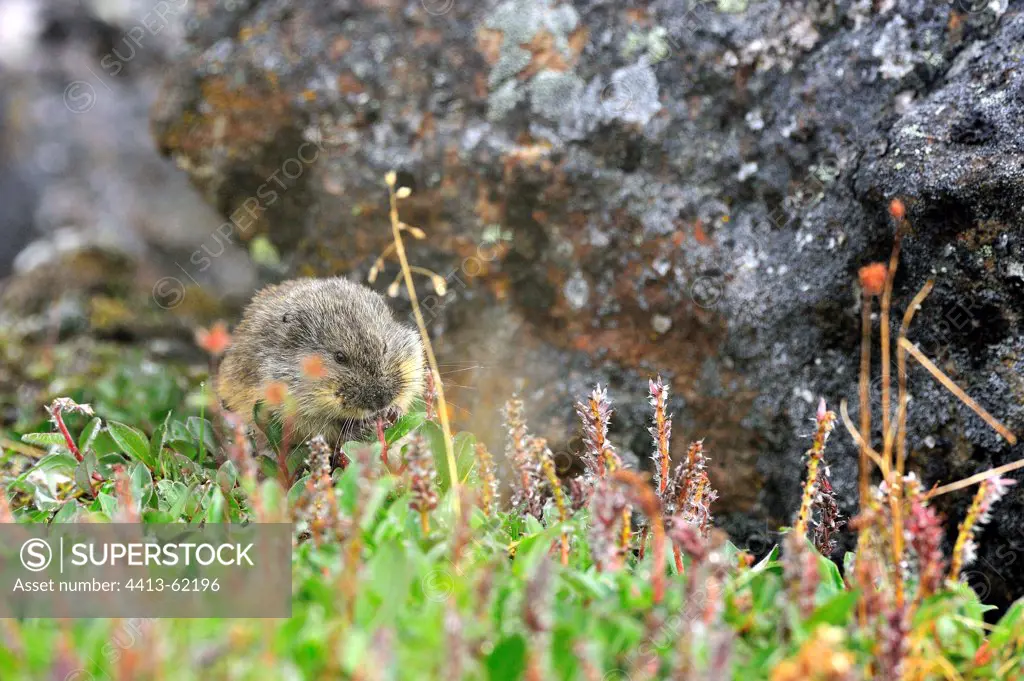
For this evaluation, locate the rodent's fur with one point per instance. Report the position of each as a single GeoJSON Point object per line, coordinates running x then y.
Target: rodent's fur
{"type": "Point", "coordinates": [371, 365]}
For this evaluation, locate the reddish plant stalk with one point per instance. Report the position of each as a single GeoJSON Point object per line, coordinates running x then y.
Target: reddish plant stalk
{"type": "Point", "coordinates": [650, 505]}
{"type": "Point", "coordinates": [516, 449]}
{"type": "Point", "coordinates": [488, 479]}
{"type": "Point", "coordinates": [282, 453]}
{"type": "Point", "coordinates": [422, 475]}
{"type": "Point", "coordinates": [58, 418]}
{"type": "Point", "coordinates": [382, 438]}
{"type": "Point", "coordinates": [548, 467]}
{"type": "Point", "coordinates": [925, 529]}
{"type": "Point", "coordinates": [595, 413]}
{"type": "Point", "coordinates": [429, 395]}
{"type": "Point", "coordinates": [865, 428]}
{"type": "Point", "coordinates": [660, 432]}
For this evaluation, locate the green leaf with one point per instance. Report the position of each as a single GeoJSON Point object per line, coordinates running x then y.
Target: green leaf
{"type": "Point", "coordinates": [172, 497]}
{"type": "Point", "coordinates": [297, 490]}
{"type": "Point", "coordinates": [378, 495]}
{"type": "Point", "coordinates": [83, 478]}
{"type": "Point", "coordinates": [403, 426]}
{"type": "Point", "coordinates": [268, 466]}
{"type": "Point", "coordinates": [1009, 629]}
{"type": "Point", "coordinates": [767, 561]}
{"type": "Point", "coordinates": [60, 463]}
{"type": "Point", "coordinates": [271, 494]}
{"type": "Point", "coordinates": [849, 562]}
{"type": "Point", "coordinates": [831, 580]}
{"type": "Point", "coordinates": [837, 611]}
{"type": "Point", "coordinates": [44, 439]}
{"type": "Point", "coordinates": [462, 446]}
{"type": "Point", "coordinates": [533, 549]}
{"type": "Point", "coordinates": [132, 442]}
{"type": "Point", "coordinates": [465, 454]}
{"type": "Point", "coordinates": [68, 512]}
{"type": "Point", "coordinates": [386, 591]}
{"type": "Point", "coordinates": [142, 485]}
{"type": "Point", "coordinates": [177, 466]}
{"type": "Point", "coordinates": [151, 515]}
{"type": "Point", "coordinates": [268, 423]}
{"type": "Point", "coordinates": [156, 443]}
{"type": "Point", "coordinates": [108, 504]}
{"type": "Point", "coordinates": [202, 432]}
{"type": "Point", "coordinates": [215, 509]}
{"type": "Point", "coordinates": [89, 434]}
{"type": "Point", "coordinates": [296, 458]}
{"type": "Point", "coordinates": [507, 662]}
{"type": "Point", "coordinates": [227, 476]}
{"type": "Point", "coordinates": [532, 526]}
{"type": "Point", "coordinates": [104, 465]}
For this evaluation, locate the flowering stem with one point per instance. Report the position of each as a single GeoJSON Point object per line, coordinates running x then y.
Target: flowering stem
{"type": "Point", "coordinates": [865, 397]}
{"type": "Point", "coordinates": [396, 231]}
{"type": "Point", "coordinates": [548, 466]}
{"type": "Point", "coordinates": [661, 424]}
{"type": "Point", "coordinates": [595, 413]}
{"type": "Point", "coordinates": [627, 529]}
{"type": "Point", "coordinates": [966, 532]}
{"type": "Point", "coordinates": [429, 395]}
{"type": "Point", "coordinates": [489, 482]}
{"type": "Point", "coordinates": [826, 422]}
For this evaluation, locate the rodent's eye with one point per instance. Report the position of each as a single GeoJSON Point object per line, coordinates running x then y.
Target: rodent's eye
{"type": "Point", "coordinates": [340, 357]}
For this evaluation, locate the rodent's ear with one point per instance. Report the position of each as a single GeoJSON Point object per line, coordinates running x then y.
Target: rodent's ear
{"type": "Point", "coordinates": [292, 320]}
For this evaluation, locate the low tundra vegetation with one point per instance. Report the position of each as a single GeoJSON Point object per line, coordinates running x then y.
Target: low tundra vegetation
{"type": "Point", "coordinates": [411, 561]}
{"type": "Point", "coordinates": [608, 575]}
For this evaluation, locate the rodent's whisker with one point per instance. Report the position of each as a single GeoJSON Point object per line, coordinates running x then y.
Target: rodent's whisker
{"type": "Point", "coordinates": [463, 409]}
{"type": "Point", "coordinates": [455, 371]}
{"type": "Point", "coordinates": [460, 385]}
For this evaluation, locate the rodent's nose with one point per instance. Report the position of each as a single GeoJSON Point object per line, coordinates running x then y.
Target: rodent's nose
{"type": "Point", "coordinates": [377, 397]}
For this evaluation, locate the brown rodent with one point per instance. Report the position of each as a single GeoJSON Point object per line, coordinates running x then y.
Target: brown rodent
{"type": "Point", "coordinates": [335, 346]}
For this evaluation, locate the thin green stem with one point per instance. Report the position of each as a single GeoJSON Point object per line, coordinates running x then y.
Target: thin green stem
{"type": "Point", "coordinates": [453, 473]}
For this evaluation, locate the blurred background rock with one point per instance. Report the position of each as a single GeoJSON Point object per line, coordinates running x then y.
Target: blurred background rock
{"type": "Point", "coordinates": [612, 189]}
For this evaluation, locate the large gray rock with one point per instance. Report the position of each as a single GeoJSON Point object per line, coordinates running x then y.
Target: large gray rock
{"type": "Point", "coordinates": [685, 187]}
